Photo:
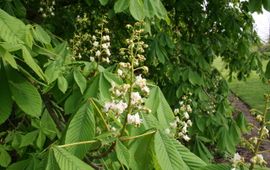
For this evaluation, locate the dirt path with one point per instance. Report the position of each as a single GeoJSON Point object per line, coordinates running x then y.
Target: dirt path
{"type": "Point", "coordinates": [240, 106]}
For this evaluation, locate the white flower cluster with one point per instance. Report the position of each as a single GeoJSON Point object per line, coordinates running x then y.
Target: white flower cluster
{"type": "Point", "coordinates": [47, 8]}
{"type": "Point", "coordinates": [258, 159]}
{"type": "Point", "coordinates": [128, 97]}
{"type": "Point", "coordinates": [116, 107]}
{"type": "Point", "coordinates": [100, 50]}
{"type": "Point", "coordinates": [134, 119]}
{"type": "Point", "coordinates": [237, 160]}
{"type": "Point", "coordinates": [265, 132]}
{"type": "Point", "coordinates": [182, 122]}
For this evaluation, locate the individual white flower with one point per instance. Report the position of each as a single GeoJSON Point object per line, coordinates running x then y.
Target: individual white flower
{"type": "Point", "coordinates": [120, 72]}
{"type": "Point", "coordinates": [189, 109]}
{"type": "Point", "coordinates": [107, 60]}
{"type": "Point", "coordinates": [181, 102]}
{"type": "Point", "coordinates": [139, 81]}
{"type": "Point", "coordinates": [186, 138]}
{"type": "Point", "coordinates": [95, 44]}
{"type": "Point", "coordinates": [92, 59]}
{"type": "Point", "coordinates": [259, 118]}
{"type": "Point", "coordinates": [167, 131]}
{"type": "Point", "coordinates": [94, 37]}
{"type": "Point", "coordinates": [79, 56]}
{"type": "Point", "coordinates": [146, 90]}
{"type": "Point", "coordinates": [108, 52]}
{"type": "Point", "coordinates": [98, 53]}
{"type": "Point", "coordinates": [107, 106]}
{"type": "Point", "coordinates": [176, 111]}
{"type": "Point", "coordinates": [237, 159]}
{"type": "Point", "coordinates": [173, 124]}
{"type": "Point", "coordinates": [135, 98]}
{"type": "Point", "coordinates": [134, 119]}
{"type": "Point", "coordinates": [265, 131]}
{"type": "Point", "coordinates": [189, 123]}
{"type": "Point", "coordinates": [186, 115]}
{"type": "Point", "coordinates": [105, 46]}
{"type": "Point", "coordinates": [113, 129]}
{"type": "Point", "coordinates": [258, 159]}
{"type": "Point", "coordinates": [184, 128]}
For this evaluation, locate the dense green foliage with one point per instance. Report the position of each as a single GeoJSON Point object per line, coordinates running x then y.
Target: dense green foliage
{"type": "Point", "coordinates": [72, 95]}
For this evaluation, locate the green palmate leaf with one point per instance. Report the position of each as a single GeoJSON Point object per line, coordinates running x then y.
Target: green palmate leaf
{"type": "Point", "coordinates": [62, 84]}
{"type": "Point", "coordinates": [67, 161]}
{"type": "Point", "coordinates": [28, 139]}
{"type": "Point", "coordinates": [190, 159]}
{"type": "Point", "coordinates": [25, 94]}
{"type": "Point", "coordinates": [167, 155]}
{"type": "Point", "coordinates": [216, 167]}
{"type": "Point", "coordinates": [41, 138]}
{"type": "Point", "coordinates": [5, 158]}
{"type": "Point", "coordinates": [122, 153]}
{"type": "Point", "coordinates": [11, 28]}
{"type": "Point", "coordinates": [80, 80]}
{"type": "Point", "coordinates": [8, 57]}
{"type": "Point", "coordinates": [41, 35]}
{"type": "Point", "coordinates": [136, 9]}
{"type": "Point", "coordinates": [266, 4]}
{"type": "Point", "coordinates": [51, 162]}
{"type": "Point", "coordinates": [141, 153]}
{"type": "Point", "coordinates": [20, 165]}
{"type": "Point", "coordinates": [255, 5]}
{"type": "Point", "coordinates": [154, 8]}
{"type": "Point", "coordinates": [242, 122]}
{"type": "Point", "coordinates": [121, 5]}
{"type": "Point", "coordinates": [101, 84]}
{"type": "Point", "coordinates": [267, 71]}
{"type": "Point", "coordinates": [31, 63]}
{"type": "Point", "coordinates": [5, 96]}
{"type": "Point", "coordinates": [81, 128]}
{"type": "Point", "coordinates": [103, 2]}
{"type": "Point", "coordinates": [159, 107]}
{"type": "Point", "coordinates": [194, 78]}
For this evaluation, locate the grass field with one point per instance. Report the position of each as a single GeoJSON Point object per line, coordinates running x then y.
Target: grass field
{"type": "Point", "coordinates": [250, 91]}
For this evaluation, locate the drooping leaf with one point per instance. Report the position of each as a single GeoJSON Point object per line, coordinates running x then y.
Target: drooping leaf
{"type": "Point", "coordinates": [31, 63]}
{"type": "Point", "coordinates": [215, 167]}
{"type": "Point", "coordinates": [267, 70]}
{"type": "Point", "coordinates": [167, 155]}
{"type": "Point", "coordinates": [136, 9]}
{"type": "Point", "coordinates": [67, 161]}
{"type": "Point", "coordinates": [11, 28]}
{"type": "Point", "coordinates": [142, 152]}
{"type": "Point", "coordinates": [41, 35]}
{"type": "Point", "coordinates": [190, 159]}
{"type": "Point", "coordinates": [25, 94]}
{"type": "Point", "coordinates": [19, 165]}
{"type": "Point", "coordinates": [121, 5]}
{"type": "Point", "coordinates": [242, 122]}
{"type": "Point", "coordinates": [51, 162]}
{"type": "Point", "coordinates": [154, 8]}
{"type": "Point", "coordinates": [100, 85]}
{"type": "Point", "coordinates": [122, 153]}
{"type": "Point", "coordinates": [62, 84]}
{"type": "Point", "coordinates": [5, 96]}
{"type": "Point", "coordinates": [80, 80]}
{"type": "Point", "coordinates": [81, 128]}
{"type": "Point", "coordinates": [8, 57]}
{"type": "Point", "coordinates": [103, 2]}
{"type": "Point", "coordinates": [5, 158]}
{"type": "Point", "coordinates": [159, 107]}
{"type": "Point", "coordinates": [255, 5]}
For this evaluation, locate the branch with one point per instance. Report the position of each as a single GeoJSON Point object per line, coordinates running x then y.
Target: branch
{"type": "Point", "coordinates": [53, 114]}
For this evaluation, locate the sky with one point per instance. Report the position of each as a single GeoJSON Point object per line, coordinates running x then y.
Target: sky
{"type": "Point", "coordinates": [262, 25]}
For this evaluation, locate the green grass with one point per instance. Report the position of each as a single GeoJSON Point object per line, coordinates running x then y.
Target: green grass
{"type": "Point", "coordinates": [250, 91]}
